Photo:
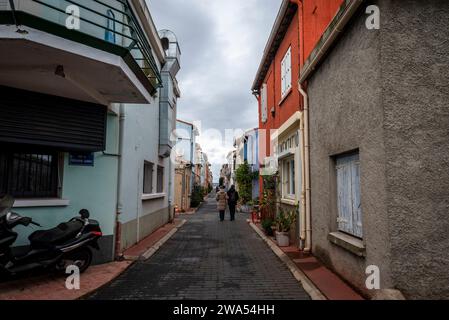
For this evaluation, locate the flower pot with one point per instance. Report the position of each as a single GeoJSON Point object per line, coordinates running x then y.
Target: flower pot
{"type": "Point", "coordinates": [283, 239]}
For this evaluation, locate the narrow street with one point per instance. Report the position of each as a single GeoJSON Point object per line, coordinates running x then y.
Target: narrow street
{"type": "Point", "coordinates": [208, 259]}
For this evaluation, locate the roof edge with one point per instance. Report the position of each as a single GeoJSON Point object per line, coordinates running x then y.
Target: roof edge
{"type": "Point", "coordinates": [271, 39]}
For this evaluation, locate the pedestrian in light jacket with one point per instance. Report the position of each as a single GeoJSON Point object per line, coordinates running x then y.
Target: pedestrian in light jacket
{"type": "Point", "coordinates": [221, 198]}
{"type": "Point", "coordinates": [233, 198]}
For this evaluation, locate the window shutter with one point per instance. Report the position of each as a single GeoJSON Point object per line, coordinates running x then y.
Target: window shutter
{"type": "Point", "coordinates": [288, 72]}
{"type": "Point", "coordinates": [283, 76]}
{"type": "Point", "coordinates": [344, 198]}
{"type": "Point", "coordinates": [356, 205]}
{"type": "Point", "coordinates": [264, 103]}
{"type": "Point", "coordinates": [349, 202]}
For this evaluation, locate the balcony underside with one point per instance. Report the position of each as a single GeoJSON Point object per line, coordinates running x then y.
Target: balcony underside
{"type": "Point", "coordinates": [32, 66]}
{"type": "Point", "coordinates": [95, 71]}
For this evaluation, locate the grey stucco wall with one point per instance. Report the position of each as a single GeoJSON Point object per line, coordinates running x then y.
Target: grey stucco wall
{"type": "Point", "coordinates": [385, 93]}
{"type": "Point", "coordinates": [345, 115]}
{"type": "Point", "coordinates": [415, 83]}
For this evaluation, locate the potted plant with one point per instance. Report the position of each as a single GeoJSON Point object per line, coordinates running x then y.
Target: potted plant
{"type": "Point", "coordinates": [284, 222]}
{"type": "Point", "coordinates": [267, 225]}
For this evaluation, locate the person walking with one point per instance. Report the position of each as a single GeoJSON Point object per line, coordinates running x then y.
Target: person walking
{"type": "Point", "coordinates": [233, 198]}
{"type": "Point", "coordinates": [221, 198]}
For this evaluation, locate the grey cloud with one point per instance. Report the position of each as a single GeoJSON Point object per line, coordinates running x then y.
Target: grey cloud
{"type": "Point", "coordinates": [216, 89]}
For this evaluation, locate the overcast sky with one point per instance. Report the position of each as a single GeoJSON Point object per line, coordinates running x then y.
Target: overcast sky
{"type": "Point", "coordinates": [222, 42]}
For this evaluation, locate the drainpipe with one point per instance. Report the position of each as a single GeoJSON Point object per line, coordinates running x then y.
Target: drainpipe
{"type": "Point", "coordinates": [307, 225]}
{"type": "Point", "coordinates": [302, 217]}
{"type": "Point", "coordinates": [170, 217]}
{"type": "Point", "coordinates": [118, 229]}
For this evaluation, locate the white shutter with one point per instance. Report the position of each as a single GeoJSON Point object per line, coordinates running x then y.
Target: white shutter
{"type": "Point", "coordinates": [264, 103]}
{"type": "Point", "coordinates": [348, 188]}
{"type": "Point", "coordinates": [344, 198]}
{"type": "Point", "coordinates": [288, 71]}
{"type": "Point", "coordinates": [356, 204]}
{"type": "Point", "coordinates": [283, 76]}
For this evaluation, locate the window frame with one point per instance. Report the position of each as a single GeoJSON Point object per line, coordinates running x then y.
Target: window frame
{"type": "Point", "coordinates": [288, 177]}
{"type": "Point", "coordinates": [109, 35]}
{"type": "Point", "coordinates": [151, 184]}
{"type": "Point", "coordinates": [54, 177]}
{"type": "Point", "coordinates": [160, 176]}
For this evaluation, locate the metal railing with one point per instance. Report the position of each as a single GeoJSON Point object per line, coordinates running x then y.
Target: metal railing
{"type": "Point", "coordinates": [109, 20]}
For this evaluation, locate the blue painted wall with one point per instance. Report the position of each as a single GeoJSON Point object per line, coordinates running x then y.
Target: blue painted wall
{"type": "Point", "coordinates": [93, 188]}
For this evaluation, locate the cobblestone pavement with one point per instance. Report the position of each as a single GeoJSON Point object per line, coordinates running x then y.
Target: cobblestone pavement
{"type": "Point", "coordinates": [208, 259]}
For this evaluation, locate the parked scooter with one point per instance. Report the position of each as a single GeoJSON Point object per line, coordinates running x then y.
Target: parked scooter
{"type": "Point", "coordinates": [67, 244]}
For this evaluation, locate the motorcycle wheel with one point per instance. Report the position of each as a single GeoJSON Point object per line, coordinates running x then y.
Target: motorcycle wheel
{"type": "Point", "coordinates": [81, 258]}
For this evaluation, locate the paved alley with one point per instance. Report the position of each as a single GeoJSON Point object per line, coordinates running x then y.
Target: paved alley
{"type": "Point", "coordinates": [208, 259]}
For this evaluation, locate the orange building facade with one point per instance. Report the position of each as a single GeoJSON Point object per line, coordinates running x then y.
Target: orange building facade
{"type": "Point", "coordinates": [298, 28]}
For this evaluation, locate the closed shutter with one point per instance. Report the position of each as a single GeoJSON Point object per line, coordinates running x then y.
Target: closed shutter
{"type": "Point", "coordinates": [288, 70]}
{"type": "Point", "coordinates": [356, 204]}
{"type": "Point", "coordinates": [4, 4]}
{"type": "Point", "coordinates": [348, 198]}
{"type": "Point", "coordinates": [43, 120]}
{"type": "Point", "coordinates": [283, 77]}
{"type": "Point", "coordinates": [264, 103]}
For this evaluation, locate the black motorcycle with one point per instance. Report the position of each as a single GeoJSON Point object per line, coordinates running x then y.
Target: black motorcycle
{"type": "Point", "coordinates": [67, 244]}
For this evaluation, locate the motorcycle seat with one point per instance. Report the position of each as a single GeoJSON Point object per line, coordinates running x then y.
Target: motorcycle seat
{"type": "Point", "coordinates": [58, 235]}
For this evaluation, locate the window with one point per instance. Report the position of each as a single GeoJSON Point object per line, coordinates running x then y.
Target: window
{"type": "Point", "coordinates": [286, 72]}
{"type": "Point", "coordinates": [288, 178]}
{"type": "Point", "coordinates": [29, 175]}
{"type": "Point", "coordinates": [348, 194]}
{"type": "Point", "coordinates": [110, 25]}
{"type": "Point", "coordinates": [148, 177]}
{"type": "Point", "coordinates": [264, 103]}
{"type": "Point", "coordinates": [160, 179]}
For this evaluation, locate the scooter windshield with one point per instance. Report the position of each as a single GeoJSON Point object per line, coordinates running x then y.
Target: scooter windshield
{"type": "Point", "coordinates": [6, 204]}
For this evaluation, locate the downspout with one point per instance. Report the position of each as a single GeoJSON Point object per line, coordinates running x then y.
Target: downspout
{"type": "Point", "coordinates": [170, 218]}
{"type": "Point", "coordinates": [302, 221]}
{"type": "Point", "coordinates": [118, 227]}
{"type": "Point", "coordinates": [305, 124]}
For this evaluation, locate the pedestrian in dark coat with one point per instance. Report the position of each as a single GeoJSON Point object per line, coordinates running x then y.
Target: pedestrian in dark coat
{"type": "Point", "coordinates": [233, 198]}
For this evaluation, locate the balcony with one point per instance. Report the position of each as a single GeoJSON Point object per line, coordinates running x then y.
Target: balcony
{"type": "Point", "coordinates": [108, 59]}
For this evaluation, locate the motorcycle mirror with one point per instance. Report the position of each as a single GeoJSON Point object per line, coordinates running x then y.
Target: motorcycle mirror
{"type": "Point", "coordinates": [84, 213]}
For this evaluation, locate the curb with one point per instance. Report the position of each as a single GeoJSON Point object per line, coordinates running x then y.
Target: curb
{"type": "Point", "coordinates": [308, 285]}
{"type": "Point", "coordinates": [152, 250]}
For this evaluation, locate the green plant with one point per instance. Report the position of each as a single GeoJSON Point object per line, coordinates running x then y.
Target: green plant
{"type": "Point", "coordinates": [267, 226]}
{"type": "Point", "coordinates": [244, 178]}
{"type": "Point", "coordinates": [197, 196]}
{"type": "Point", "coordinates": [285, 220]}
